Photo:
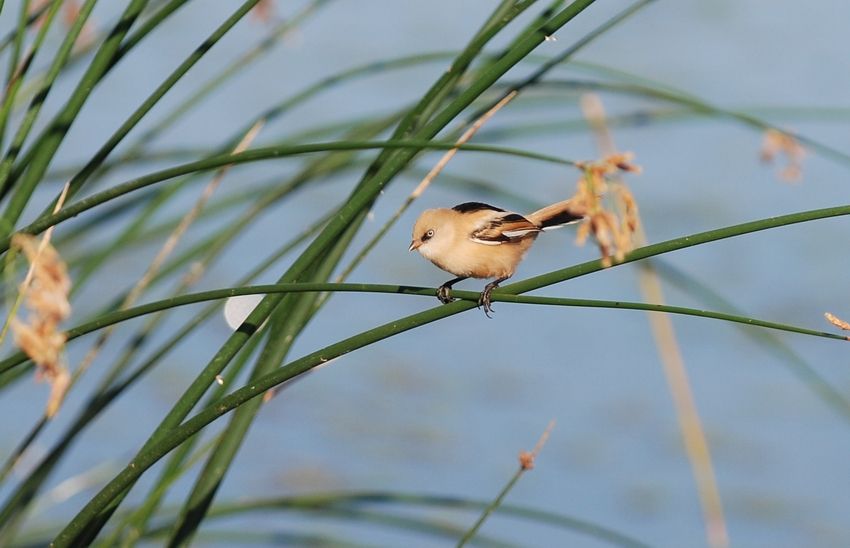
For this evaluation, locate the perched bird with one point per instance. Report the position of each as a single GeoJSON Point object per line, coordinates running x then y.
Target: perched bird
{"type": "Point", "coordinates": [475, 240]}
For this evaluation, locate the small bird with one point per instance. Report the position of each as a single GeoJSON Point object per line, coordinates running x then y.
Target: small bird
{"type": "Point", "coordinates": [475, 240]}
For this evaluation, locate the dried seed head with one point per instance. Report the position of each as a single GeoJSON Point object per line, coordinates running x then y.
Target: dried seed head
{"type": "Point", "coordinates": [42, 343]}
{"type": "Point", "coordinates": [613, 228]}
{"type": "Point", "coordinates": [837, 322]}
{"type": "Point", "coordinates": [45, 291]}
{"type": "Point", "coordinates": [778, 143]}
{"type": "Point", "coordinates": [526, 460]}
{"type": "Point", "coordinates": [59, 384]}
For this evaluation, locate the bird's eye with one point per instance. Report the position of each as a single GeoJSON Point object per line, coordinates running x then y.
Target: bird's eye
{"type": "Point", "coordinates": [428, 235]}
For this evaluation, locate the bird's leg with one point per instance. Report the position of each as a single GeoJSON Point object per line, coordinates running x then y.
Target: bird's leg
{"type": "Point", "coordinates": [444, 293]}
{"type": "Point", "coordinates": [484, 299]}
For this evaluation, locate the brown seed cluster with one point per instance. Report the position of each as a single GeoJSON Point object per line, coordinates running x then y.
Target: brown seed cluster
{"type": "Point", "coordinates": [526, 460]}
{"type": "Point", "coordinates": [46, 297]}
{"type": "Point", "coordinates": [778, 143]}
{"type": "Point", "coordinates": [613, 227]}
{"type": "Point", "coordinates": [837, 322]}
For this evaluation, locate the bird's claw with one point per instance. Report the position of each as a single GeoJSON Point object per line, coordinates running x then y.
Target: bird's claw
{"type": "Point", "coordinates": [444, 294]}
{"type": "Point", "coordinates": [484, 300]}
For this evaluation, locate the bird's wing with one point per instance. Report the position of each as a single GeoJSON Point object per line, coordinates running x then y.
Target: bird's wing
{"type": "Point", "coordinates": [498, 227]}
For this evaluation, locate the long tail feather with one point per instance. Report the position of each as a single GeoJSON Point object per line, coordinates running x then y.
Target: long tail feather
{"type": "Point", "coordinates": [555, 215]}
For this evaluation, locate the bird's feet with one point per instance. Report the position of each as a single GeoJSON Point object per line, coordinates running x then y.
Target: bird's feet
{"type": "Point", "coordinates": [444, 293]}
{"type": "Point", "coordinates": [484, 299]}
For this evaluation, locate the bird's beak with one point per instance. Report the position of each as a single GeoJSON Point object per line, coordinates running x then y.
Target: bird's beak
{"type": "Point", "coordinates": [414, 245]}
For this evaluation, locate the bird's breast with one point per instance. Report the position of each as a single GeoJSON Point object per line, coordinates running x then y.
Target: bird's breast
{"type": "Point", "coordinates": [476, 260]}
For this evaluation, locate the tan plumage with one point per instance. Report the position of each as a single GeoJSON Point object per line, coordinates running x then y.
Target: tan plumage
{"type": "Point", "coordinates": [475, 240]}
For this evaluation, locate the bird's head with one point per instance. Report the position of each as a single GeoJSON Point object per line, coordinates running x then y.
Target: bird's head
{"type": "Point", "coordinates": [432, 232]}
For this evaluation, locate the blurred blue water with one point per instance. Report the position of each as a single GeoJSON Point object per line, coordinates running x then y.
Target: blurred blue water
{"type": "Point", "coordinates": [446, 408]}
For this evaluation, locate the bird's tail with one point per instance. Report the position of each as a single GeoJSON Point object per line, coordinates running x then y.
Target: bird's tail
{"type": "Point", "coordinates": [555, 215]}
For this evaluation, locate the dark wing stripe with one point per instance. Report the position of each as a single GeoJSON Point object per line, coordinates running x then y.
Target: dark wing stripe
{"type": "Point", "coordinates": [565, 217]}
{"type": "Point", "coordinates": [512, 217]}
{"type": "Point", "coordinates": [468, 207]}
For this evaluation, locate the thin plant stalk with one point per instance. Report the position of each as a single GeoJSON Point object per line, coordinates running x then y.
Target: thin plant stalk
{"type": "Point", "coordinates": [18, 69]}
{"type": "Point", "coordinates": [820, 386]}
{"type": "Point", "coordinates": [286, 328]}
{"type": "Point", "coordinates": [263, 153]}
{"type": "Point", "coordinates": [244, 61]}
{"type": "Point", "coordinates": [318, 502]}
{"type": "Point", "coordinates": [100, 156]}
{"type": "Point", "coordinates": [26, 124]}
{"type": "Point", "coordinates": [134, 525]}
{"type": "Point", "coordinates": [472, 296]}
{"type": "Point", "coordinates": [526, 463]}
{"type": "Point", "coordinates": [701, 106]}
{"type": "Point", "coordinates": [35, 165]}
{"type": "Point", "coordinates": [693, 434]}
{"type": "Point", "coordinates": [166, 249]}
{"type": "Point", "coordinates": [17, 42]}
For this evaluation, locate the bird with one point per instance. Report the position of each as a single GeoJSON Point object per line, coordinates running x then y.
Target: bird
{"type": "Point", "coordinates": [478, 240]}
